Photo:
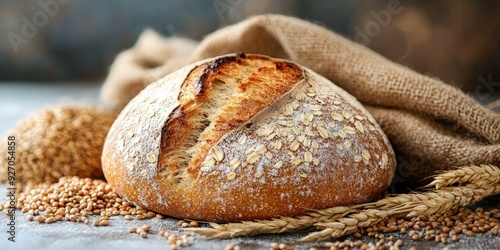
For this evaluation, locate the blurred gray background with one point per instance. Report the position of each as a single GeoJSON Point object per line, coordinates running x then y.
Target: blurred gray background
{"type": "Point", "coordinates": [77, 40]}
{"type": "Point", "coordinates": [82, 37]}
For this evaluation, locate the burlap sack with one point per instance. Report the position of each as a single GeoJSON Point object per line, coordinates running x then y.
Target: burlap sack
{"type": "Point", "coordinates": [431, 125]}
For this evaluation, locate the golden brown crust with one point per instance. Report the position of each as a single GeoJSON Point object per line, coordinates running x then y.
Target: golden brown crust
{"type": "Point", "coordinates": [247, 100]}
{"type": "Point", "coordinates": [246, 137]}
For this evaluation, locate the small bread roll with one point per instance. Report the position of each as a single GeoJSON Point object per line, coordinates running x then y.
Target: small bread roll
{"type": "Point", "coordinates": [243, 137]}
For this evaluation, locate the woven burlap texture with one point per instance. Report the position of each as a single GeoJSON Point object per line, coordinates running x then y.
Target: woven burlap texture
{"type": "Point", "coordinates": [431, 125]}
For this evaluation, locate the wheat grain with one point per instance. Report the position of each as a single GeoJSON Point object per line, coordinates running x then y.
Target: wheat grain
{"type": "Point", "coordinates": [273, 226]}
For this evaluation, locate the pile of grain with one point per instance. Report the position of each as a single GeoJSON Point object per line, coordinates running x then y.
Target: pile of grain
{"type": "Point", "coordinates": [389, 233]}
{"type": "Point", "coordinates": [441, 228]}
{"type": "Point", "coordinates": [57, 142]}
{"type": "Point", "coordinates": [74, 199]}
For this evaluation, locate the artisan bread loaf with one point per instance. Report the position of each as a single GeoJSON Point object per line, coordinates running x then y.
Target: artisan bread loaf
{"type": "Point", "coordinates": [242, 137]}
{"type": "Point", "coordinates": [58, 141]}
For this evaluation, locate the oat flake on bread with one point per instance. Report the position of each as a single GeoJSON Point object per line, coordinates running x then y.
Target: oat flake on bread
{"type": "Point", "coordinates": [242, 137]}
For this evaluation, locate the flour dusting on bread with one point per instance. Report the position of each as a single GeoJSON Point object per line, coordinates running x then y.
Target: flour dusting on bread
{"type": "Point", "coordinates": [310, 118]}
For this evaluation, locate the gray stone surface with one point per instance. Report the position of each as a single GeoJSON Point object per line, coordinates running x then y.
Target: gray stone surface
{"type": "Point", "coordinates": [19, 100]}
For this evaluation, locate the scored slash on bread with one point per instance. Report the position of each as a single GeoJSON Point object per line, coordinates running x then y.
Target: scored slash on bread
{"type": "Point", "coordinates": [217, 99]}
{"type": "Point", "coordinates": [242, 137]}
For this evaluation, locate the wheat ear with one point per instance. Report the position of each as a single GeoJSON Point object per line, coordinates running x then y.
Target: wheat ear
{"type": "Point", "coordinates": [469, 174]}
{"type": "Point", "coordinates": [432, 202]}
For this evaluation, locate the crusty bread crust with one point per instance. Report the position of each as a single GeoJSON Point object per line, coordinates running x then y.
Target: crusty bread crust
{"type": "Point", "coordinates": [243, 137]}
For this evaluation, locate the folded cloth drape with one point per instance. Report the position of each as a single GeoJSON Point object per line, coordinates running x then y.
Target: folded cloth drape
{"type": "Point", "coordinates": [431, 125]}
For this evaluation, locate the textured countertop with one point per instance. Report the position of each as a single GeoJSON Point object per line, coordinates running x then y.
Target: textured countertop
{"type": "Point", "coordinates": [18, 100]}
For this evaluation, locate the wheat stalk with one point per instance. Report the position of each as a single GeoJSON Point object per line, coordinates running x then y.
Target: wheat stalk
{"type": "Point", "coordinates": [274, 226]}
{"type": "Point", "coordinates": [346, 226]}
{"type": "Point", "coordinates": [452, 197]}
{"type": "Point", "coordinates": [482, 181]}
